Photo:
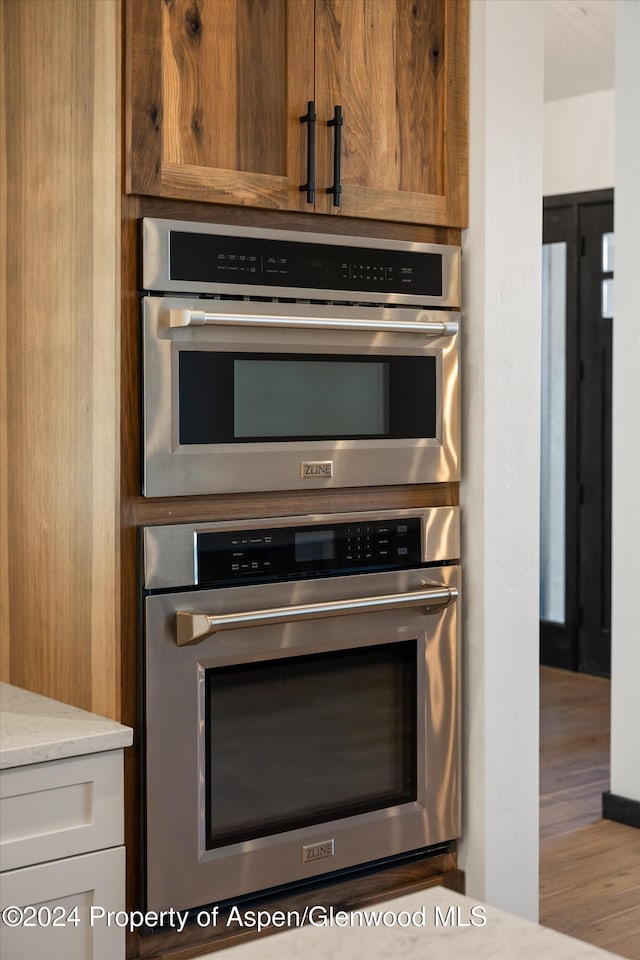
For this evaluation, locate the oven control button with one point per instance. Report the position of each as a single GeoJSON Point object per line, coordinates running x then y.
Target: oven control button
{"type": "Point", "coordinates": [402, 529]}
{"type": "Point", "coordinates": [403, 551]}
{"type": "Point", "coordinates": [234, 567]}
{"type": "Point", "coordinates": [382, 554]}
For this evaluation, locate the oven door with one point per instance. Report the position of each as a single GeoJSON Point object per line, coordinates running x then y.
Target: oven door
{"type": "Point", "coordinates": [242, 396]}
{"type": "Point", "coordinates": [297, 729]}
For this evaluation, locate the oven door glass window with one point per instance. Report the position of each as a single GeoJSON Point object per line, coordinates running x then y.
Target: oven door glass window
{"type": "Point", "coordinates": [241, 398]}
{"type": "Point", "coordinates": [304, 740]}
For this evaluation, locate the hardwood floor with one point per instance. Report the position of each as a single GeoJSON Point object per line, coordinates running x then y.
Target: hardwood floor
{"type": "Point", "coordinates": [589, 867]}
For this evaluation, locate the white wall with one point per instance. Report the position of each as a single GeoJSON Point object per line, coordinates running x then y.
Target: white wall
{"type": "Point", "coordinates": [593, 142]}
{"type": "Point", "coordinates": [579, 136]}
{"type": "Point", "coordinates": [625, 613]}
{"type": "Point", "coordinates": [501, 455]}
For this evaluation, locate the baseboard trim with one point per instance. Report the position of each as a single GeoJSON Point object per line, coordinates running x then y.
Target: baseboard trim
{"type": "Point", "coordinates": [621, 809]}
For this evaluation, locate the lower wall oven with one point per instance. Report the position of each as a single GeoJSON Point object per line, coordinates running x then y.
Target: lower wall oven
{"type": "Point", "coordinates": [300, 698]}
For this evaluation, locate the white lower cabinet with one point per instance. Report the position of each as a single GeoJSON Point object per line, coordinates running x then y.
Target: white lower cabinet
{"type": "Point", "coordinates": [53, 903]}
{"type": "Point", "coordinates": [62, 859]}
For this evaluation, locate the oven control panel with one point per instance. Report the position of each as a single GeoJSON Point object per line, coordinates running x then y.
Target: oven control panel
{"type": "Point", "coordinates": [215, 259]}
{"type": "Point", "coordinates": [210, 258]}
{"type": "Point", "coordinates": [305, 551]}
{"type": "Point", "coordinates": [225, 553]}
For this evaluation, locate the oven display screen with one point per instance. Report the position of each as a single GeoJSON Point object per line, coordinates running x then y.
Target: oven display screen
{"type": "Point", "coordinates": [314, 545]}
{"type": "Point", "coordinates": [306, 398]}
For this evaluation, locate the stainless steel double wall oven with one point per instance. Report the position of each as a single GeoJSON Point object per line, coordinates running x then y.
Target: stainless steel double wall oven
{"type": "Point", "coordinates": [299, 691]}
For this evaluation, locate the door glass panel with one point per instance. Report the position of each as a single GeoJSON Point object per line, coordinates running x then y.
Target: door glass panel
{"type": "Point", "coordinates": [308, 739]}
{"type": "Point", "coordinates": [607, 299]}
{"type": "Point", "coordinates": [607, 253]}
{"type": "Point", "coordinates": [263, 397]}
{"type": "Point", "coordinates": [606, 308]}
{"type": "Point", "coordinates": [553, 430]}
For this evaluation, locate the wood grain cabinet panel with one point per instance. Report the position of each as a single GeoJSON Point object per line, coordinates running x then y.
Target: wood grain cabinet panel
{"type": "Point", "coordinates": [216, 90]}
{"type": "Point", "coordinates": [215, 93]}
{"type": "Point", "coordinates": [398, 69]}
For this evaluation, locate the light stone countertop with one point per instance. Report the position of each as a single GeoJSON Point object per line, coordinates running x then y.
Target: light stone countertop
{"type": "Point", "coordinates": [34, 729]}
{"type": "Point", "coordinates": [503, 936]}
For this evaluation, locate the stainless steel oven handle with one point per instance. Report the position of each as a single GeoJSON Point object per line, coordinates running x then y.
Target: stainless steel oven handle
{"type": "Point", "coordinates": [193, 627]}
{"type": "Point", "coordinates": [198, 318]}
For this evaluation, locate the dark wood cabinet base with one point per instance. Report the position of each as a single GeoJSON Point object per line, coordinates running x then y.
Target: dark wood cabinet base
{"type": "Point", "coordinates": [357, 890]}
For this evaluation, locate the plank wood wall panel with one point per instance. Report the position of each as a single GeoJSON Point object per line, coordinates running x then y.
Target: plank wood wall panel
{"type": "Point", "coordinates": [4, 452]}
{"type": "Point", "coordinates": [60, 459]}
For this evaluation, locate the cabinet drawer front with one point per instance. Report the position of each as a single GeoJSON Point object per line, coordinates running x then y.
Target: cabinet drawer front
{"type": "Point", "coordinates": [59, 809]}
{"type": "Point", "coordinates": [60, 925]}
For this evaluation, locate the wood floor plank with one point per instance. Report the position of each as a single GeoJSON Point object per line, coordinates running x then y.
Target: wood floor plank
{"type": "Point", "coordinates": [589, 867]}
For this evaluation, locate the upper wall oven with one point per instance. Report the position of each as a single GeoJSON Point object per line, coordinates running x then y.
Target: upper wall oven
{"type": "Point", "coordinates": [276, 360]}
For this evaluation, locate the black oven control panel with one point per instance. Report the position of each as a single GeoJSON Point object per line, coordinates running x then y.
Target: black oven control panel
{"type": "Point", "coordinates": [210, 258]}
{"type": "Point", "coordinates": [307, 551]}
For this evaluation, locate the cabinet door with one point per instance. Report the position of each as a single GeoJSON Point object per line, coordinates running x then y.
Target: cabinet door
{"type": "Point", "coordinates": [63, 907]}
{"type": "Point", "coordinates": [398, 69]}
{"type": "Point", "coordinates": [215, 92]}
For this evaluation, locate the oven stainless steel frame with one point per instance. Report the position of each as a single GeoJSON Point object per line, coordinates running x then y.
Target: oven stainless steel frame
{"type": "Point", "coordinates": [189, 632]}
{"type": "Point", "coordinates": [156, 273]}
{"type": "Point", "coordinates": [375, 325]}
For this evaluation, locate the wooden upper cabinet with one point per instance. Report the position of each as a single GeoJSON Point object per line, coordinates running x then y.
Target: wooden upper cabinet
{"type": "Point", "coordinates": [398, 70]}
{"type": "Point", "coordinates": [216, 90]}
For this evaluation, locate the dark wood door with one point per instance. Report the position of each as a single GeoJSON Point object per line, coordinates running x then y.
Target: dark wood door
{"type": "Point", "coordinates": [398, 69]}
{"type": "Point", "coordinates": [575, 614]}
{"type": "Point", "coordinates": [594, 437]}
{"type": "Point", "coordinates": [215, 91]}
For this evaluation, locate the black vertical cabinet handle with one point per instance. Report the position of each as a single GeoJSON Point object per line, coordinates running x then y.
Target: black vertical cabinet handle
{"type": "Point", "coordinates": [310, 118]}
{"type": "Point", "coordinates": [337, 122]}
